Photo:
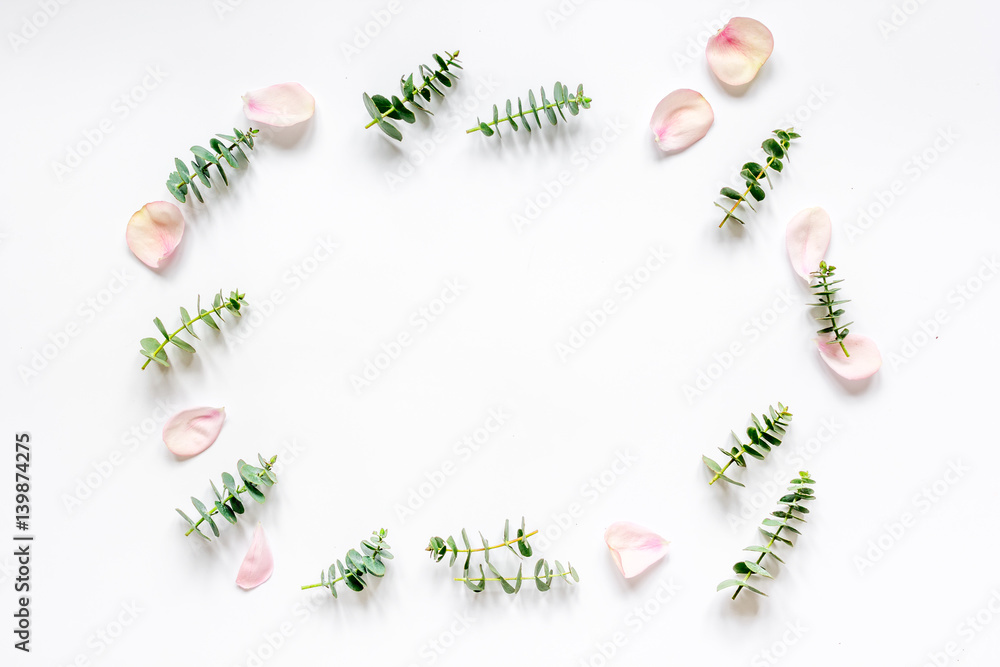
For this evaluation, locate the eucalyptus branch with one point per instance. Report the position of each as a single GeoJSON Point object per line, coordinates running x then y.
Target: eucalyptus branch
{"type": "Point", "coordinates": [752, 172]}
{"type": "Point", "coordinates": [155, 350]}
{"type": "Point", "coordinates": [543, 577]}
{"type": "Point", "coordinates": [826, 294]}
{"type": "Point", "coordinates": [762, 438]}
{"type": "Point", "coordinates": [381, 108]}
{"type": "Point", "coordinates": [543, 574]}
{"type": "Point", "coordinates": [562, 99]}
{"type": "Point", "coordinates": [440, 548]}
{"type": "Point", "coordinates": [367, 561]}
{"type": "Point", "coordinates": [229, 506]}
{"type": "Point", "coordinates": [792, 506]}
{"type": "Point", "coordinates": [180, 180]}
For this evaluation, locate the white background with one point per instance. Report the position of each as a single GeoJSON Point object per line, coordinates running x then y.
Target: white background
{"type": "Point", "coordinates": [867, 101]}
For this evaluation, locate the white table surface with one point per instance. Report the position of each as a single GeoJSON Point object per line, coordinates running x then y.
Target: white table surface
{"type": "Point", "coordinates": [897, 104]}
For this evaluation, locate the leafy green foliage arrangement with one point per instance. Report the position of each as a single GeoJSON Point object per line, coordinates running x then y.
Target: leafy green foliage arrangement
{"type": "Point", "coordinates": [562, 98]}
{"type": "Point", "coordinates": [358, 564]}
{"type": "Point", "coordinates": [543, 574]}
{"type": "Point", "coordinates": [154, 349]}
{"type": "Point", "coordinates": [776, 149]}
{"type": "Point", "coordinates": [792, 507]}
{"type": "Point", "coordinates": [382, 108]}
{"type": "Point", "coordinates": [762, 436]}
{"type": "Point", "coordinates": [826, 296]}
{"type": "Point", "coordinates": [181, 180]}
{"type": "Point", "coordinates": [229, 506]}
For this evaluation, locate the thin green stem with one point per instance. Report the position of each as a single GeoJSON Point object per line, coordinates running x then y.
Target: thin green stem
{"type": "Point", "coordinates": [747, 191]}
{"type": "Point", "coordinates": [184, 327]}
{"type": "Point", "coordinates": [452, 59]}
{"type": "Point", "coordinates": [521, 115]}
{"type": "Point", "coordinates": [759, 559]}
{"type": "Point", "coordinates": [215, 510]}
{"type": "Point", "coordinates": [562, 574]}
{"type": "Point", "coordinates": [732, 459]}
{"type": "Point", "coordinates": [340, 578]}
{"type": "Point", "coordinates": [725, 467]}
{"type": "Point", "coordinates": [492, 546]}
{"type": "Point", "coordinates": [829, 310]}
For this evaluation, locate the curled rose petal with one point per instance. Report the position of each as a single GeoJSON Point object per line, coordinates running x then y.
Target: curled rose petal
{"type": "Point", "coordinates": [258, 564]}
{"type": "Point", "coordinates": [680, 119]}
{"type": "Point", "coordinates": [633, 547]}
{"type": "Point", "coordinates": [193, 431]}
{"type": "Point", "coordinates": [807, 238]}
{"type": "Point", "coordinates": [738, 51]}
{"type": "Point", "coordinates": [863, 362]}
{"type": "Point", "coordinates": [281, 105]}
{"type": "Point", "coordinates": [154, 231]}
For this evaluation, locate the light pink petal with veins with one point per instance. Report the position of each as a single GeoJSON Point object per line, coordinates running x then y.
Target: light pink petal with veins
{"type": "Point", "coordinates": [258, 564]}
{"type": "Point", "coordinates": [154, 231]}
{"type": "Point", "coordinates": [281, 105]}
{"type": "Point", "coordinates": [807, 238]}
{"type": "Point", "coordinates": [737, 52]}
{"type": "Point", "coordinates": [680, 119]}
{"type": "Point", "coordinates": [865, 359]}
{"type": "Point", "coordinates": [193, 431]}
{"type": "Point", "coordinates": [633, 547]}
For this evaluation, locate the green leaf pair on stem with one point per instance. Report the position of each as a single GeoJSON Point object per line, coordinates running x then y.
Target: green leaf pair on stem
{"type": "Point", "coordinates": [228, 505]}
{"type": "Point", "coordinates": [776, 149]}
{"type": "Point", "coordinates": [154, 349]}
{"type": "Point", "coordinates": [562, 98]}
{"type": "Point", "coordinates": [357, 565]}
{"type": "Point", "coordinates": [229, 150]}
{"type": "Point", "coordinates": [826, 296]}
{"type": "Point", "coordinates": [772, 529]}
{"type": "Point", "coordinates": [413, 95]}
{"type": "Point", "coordinates": [440, 548]}
{"type": "Point", "coordinates": [764, 434]}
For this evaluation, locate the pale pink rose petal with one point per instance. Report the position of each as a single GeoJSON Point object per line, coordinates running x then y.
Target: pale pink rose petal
{"type": "Point", "coordinates": [863, 362]}
{"type": "Point", "coordinates": [807, 238]}
{"type": "Point", "coordinates": [680, 119]}
{"type": "Point", "coordinates": [281, 105]}
{"type": "Point", "coordinates": [154, 231]}
{"type": "Point", "coordinates": [738, 51]}
{"type": "Point", "coordinates": [633, 547]}
{"type": "Point", "coordinates": [258, 564]}
{"type": "Point", "coordinates": [193, 431]}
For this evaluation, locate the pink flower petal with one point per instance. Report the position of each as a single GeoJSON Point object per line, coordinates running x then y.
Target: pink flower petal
{"type": "Point", "coordinates": [280, 105]}
{"type": "Point", "coordinates": [680, 119]}
{"type": "Point", "coordinates": [864, 360]}
{"type": "Point", "coordinates": [633, 547]}
{"type": "Point", "coordinates": [154, 231]}
{"type": "Point", "coordinates": [193, 431]}
{"type": "Point", "coordinates": [738, 51]}
{"type": "Point", "coordinates": [258, 564]}
{"type": "Point", "coordinates": [807, 238]}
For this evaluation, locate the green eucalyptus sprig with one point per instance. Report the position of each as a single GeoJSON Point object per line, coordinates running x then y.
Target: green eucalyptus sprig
{"type": "Point", "coordinates": [440, 548]}
{"type": "Point", "coordinates": [154, 349]}
{"type": "Point", "coordinates": [543, 577]}
{"type": "Point", "coordinates": [562, 98]}
{"type": "Point", "coordinates": [381, 108]}
{"type": "Point", "coordinates": [826, 296]}
{"type": "Point", "coordinates": [359, 563]}
{"type": "Point", "coordinates": [180, 180]}
{"type": "Point", "coordinates": [752, 172]}
{"type": "Point", "coordinates": [792, 503]}
{"type": "Point", "coordinates": [229, 506]}
{"type": "Point", "coordinates": [543, 574]}
{"type": "Point", "coordinates": [762, 437]}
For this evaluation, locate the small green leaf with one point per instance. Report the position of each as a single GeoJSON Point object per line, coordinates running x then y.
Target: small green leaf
{"type": "Point", "coordinates": [390, 130]}
{"type": "Point", "coordinates": [182, 345]}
